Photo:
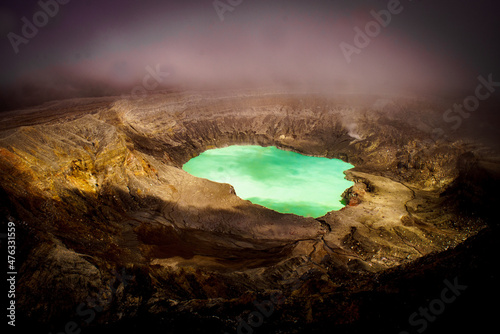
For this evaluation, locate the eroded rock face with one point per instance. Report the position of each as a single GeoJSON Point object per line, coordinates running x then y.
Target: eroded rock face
{"type": "Point", "coordinates": [100, 189]}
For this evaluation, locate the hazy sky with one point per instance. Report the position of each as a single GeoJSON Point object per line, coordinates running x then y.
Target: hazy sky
{"type": "Point", "coordinates": [91, 47]}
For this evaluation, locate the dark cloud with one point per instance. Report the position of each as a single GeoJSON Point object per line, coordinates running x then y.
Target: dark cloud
{"type": "Point", "coordinates": [104, 47]}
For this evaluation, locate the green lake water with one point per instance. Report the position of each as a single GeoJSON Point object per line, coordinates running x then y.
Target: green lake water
{"type": "Point", "coordinates": [283, 181]}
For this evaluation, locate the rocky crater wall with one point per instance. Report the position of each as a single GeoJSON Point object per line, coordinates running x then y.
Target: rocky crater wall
{"type": "Point", "coordinates": [99, 187]}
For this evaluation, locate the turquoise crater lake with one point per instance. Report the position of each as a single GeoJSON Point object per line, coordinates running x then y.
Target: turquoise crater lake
{"type": "Point", "coordinates": [283, 181]}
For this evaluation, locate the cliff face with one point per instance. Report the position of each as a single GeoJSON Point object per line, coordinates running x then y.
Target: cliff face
{"type": "Point", "coordinates": [97, 189]}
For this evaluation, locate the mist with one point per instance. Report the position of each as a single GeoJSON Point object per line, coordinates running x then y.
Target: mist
{"type": "Point", "coordinates": [91, 48]}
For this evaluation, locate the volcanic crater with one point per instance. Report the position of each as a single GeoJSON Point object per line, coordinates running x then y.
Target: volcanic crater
{"type": "Point", "coordinates": [96, 187]}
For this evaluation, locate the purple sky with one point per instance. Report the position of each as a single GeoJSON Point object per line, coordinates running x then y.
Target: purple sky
{"type": "Point", "coordinates": [95, 48]}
